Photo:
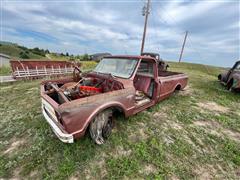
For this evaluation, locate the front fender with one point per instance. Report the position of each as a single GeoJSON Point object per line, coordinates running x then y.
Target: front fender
{"type": "Point", "coordinates": [76, 122]}
{"type": "Point", "coordinates": [77, 115]}
{"type": "Point", "coordinates": [113, 104]}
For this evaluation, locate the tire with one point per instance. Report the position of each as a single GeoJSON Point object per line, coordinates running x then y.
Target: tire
{"type": "Point", "coordinates": [219, 77]}
{"type": "Point", "coordinates": [101, 126]}
{"type": "Point", "coordinates": [229, 85]}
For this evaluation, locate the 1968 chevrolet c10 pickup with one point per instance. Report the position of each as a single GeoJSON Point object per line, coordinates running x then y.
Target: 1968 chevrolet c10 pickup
{"type": "Point", "coordinates": [88, 101]}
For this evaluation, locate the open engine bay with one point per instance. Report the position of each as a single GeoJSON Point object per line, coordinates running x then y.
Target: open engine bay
{"type": "Point", "coordinates": [88, 85]}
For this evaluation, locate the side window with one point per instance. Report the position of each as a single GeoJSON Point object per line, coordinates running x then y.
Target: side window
{"type": "Point", "coordinates": [145, 68]}
{"type": "Point", "coordinates": [237, 68]}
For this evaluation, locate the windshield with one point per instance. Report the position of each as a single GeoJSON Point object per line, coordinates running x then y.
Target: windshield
{"type": "Point", "coordinates": [117, 67]}
{"type": "Point", "coordinates": [237, 67]}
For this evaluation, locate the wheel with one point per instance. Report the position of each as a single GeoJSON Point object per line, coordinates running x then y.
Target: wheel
{"type": "Point", "coordinates": [219, 77]}
{"type": "Point", "coordinates": [229, 85]}
{"type": "Point", "coordinates": [101, 126]}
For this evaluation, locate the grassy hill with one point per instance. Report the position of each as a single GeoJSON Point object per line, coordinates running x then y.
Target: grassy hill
{"type": "Point", "coordinates": [17, 51]}
{"type": "Point", "coordinates": [20, 52]}
{"type": "Point", "coordinates": [194, 133]}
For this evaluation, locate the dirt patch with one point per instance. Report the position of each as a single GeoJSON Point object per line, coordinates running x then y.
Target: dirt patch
{"type": "Point", "coordinates": [186, 91]}
{"type": "Point", "coordinates": [175, 125]}
{"type": "Point", "coordinates": [120, 151]}
{"type": "Point", "coordinates": [204, 173]}
{"type": "Point", "coordinates": [212, 124]}
{"type": "Point", "coordinates": [98, 166]}
{"type": "Point", "coordinates": [73, 178]}
{"type": "Point", "coordinates": [211, 172]}
{"type": "Point", "coordinates": [217, 129]}
{"type": "Point", "coordinates": [211, 127]}
{"type": "Point", "coordinates": [14, 146]}
{"type": "Point", "coordinates": [160, 115]}
{"type": "Point", "coordinates": [139, 134]}
{"type": "Point", "coordinates": [168, 140]}
{"type": "Point", "coordinates": [148, 169]}
{"type": "Point", "coordinates": [232, 134]}
{"type": "Point", "coordinates": [34, 174]}
{"type": "Point", "coordinates": [161, 119]}
{"type": "Point", "coordinates": [174, 177]}
{"type": "Point", "coordinates": [16, 173]}
{"type": "Point", "coordinates": [237, 172]}
{"type": "Point", "coordinates": [212, 106]}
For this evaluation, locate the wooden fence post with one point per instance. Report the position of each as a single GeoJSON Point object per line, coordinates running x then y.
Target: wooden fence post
{"type": "Point", "coordinates": [18, 72]}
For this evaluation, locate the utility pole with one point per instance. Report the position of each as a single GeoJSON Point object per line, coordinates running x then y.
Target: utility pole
{"type": "Point", "coordinates": [146, 11]}
{"type": "Point", "coordinates": [184, 42]}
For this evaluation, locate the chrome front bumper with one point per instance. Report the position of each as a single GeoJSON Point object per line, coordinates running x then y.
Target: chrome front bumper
{"type": "Point", "coordinates": [64, 137]}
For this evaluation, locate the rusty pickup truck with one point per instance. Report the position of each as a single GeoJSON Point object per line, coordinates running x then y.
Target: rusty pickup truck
{"type": "Point", "coordinates": [89, 101]}
{"type": "Point", "coordinates": [231, 78]}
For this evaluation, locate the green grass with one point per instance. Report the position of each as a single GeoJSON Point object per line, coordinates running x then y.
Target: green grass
{"type": "Point", "coordinates": [165, 141]}
{"type": "Point", "coordinates": [88, 65]}
{"type": "Point", "coordinates": [5, 70]}
{"type": "Point", "coordinates": [53, 57]}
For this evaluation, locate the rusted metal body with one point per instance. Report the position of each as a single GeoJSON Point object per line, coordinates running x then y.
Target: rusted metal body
{"type": "Point", "coordinates": [39, 68]}
{"type": "Point", "coordinates": [70, 119]}
{"type": "Point", "coordinates": [231, 78]}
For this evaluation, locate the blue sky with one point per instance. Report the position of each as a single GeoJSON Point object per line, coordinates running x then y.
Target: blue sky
{"type": "Point", "coordinates": [116, 26]}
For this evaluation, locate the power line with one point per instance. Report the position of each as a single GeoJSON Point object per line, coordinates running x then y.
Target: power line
{"type": "Point", "coordinates": [175, 22]}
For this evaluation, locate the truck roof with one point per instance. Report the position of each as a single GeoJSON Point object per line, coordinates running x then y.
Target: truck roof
{"type": "Point", "coordinates": [138, 57]}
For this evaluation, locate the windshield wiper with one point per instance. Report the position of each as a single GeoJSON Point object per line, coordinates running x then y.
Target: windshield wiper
{"type": "Point", "coordinates": [110, 74]}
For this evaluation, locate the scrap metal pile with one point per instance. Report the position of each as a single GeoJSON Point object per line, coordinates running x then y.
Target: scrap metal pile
{"type": "Point", "coordinates": [34, 69]}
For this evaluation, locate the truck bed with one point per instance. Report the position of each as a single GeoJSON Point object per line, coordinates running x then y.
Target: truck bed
{"type": "Point", "coordinates": [167, 73]}
{"type": "Point", "coordinates": [164, 76]}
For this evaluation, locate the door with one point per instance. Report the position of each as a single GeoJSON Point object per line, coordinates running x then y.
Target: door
{"type": "Point", "coordinates": [145, 84]}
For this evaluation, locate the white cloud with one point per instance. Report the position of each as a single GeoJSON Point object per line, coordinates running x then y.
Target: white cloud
{"type": "Point", "coordinates": [118, 27]}
{"type": "Point", "coordinates": [177, 11]}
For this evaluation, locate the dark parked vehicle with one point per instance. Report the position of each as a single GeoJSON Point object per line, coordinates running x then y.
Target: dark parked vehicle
{"type": "Point", "coordinates": [125, 84]}
{"type": "Point", "coordinates": [162, 65]}
{"type": "Point", "coordinates": [98, 56]}
{"type": "Point", "coordinates": [231, 78]}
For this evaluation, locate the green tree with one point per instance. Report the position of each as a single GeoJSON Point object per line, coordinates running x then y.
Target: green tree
{"type": "Point", "coordinates": [23, 55]}
{"type": "Point", "coordinates": [85, 57]}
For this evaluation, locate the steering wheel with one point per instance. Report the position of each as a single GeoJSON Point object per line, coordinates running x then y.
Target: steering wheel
{"type": "Point", "coordinates": [77, 74]}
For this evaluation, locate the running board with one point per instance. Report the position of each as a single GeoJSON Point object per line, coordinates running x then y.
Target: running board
{"type": "Point", "coordinates": [143, 102]}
